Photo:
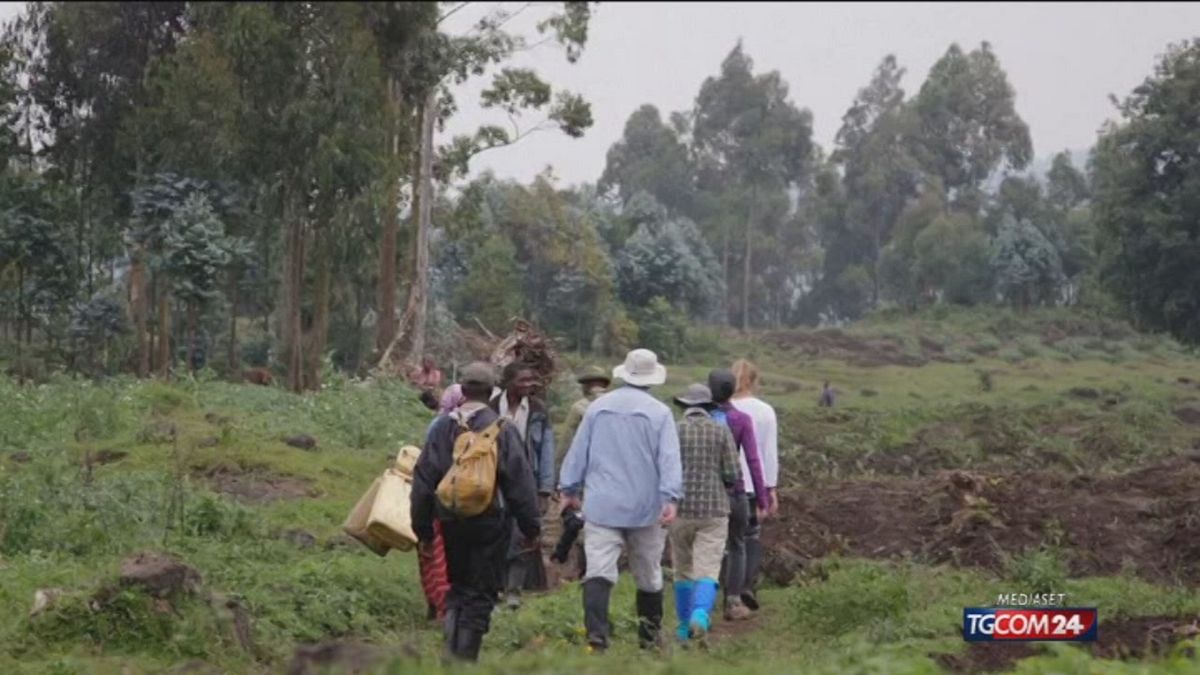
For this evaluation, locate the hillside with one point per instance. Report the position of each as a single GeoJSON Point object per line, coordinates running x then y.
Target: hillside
{"type": "Point", "coordinates": [968, 454]}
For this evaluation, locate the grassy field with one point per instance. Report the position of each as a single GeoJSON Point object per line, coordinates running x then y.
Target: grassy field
{"type": "Point", "coordinates": [1006, 404]}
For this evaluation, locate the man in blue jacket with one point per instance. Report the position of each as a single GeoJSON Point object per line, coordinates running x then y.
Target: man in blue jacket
{"type": "Point", "coordinates": [527, 414]}
{"type": "Point", "coordinates": [623, 468]}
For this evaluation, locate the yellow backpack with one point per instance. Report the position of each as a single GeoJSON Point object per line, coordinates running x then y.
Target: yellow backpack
{"type": "Point", "coordinates": [469, 486]}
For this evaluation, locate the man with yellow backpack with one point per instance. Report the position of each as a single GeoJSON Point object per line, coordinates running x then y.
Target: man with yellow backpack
{"type": "Point", "coordinates": [473, 477]}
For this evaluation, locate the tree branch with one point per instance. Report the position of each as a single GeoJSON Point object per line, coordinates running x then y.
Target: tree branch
{"type": "Point", "coordinates": [540, 126]}
{"type": "Point", "coordinates": [451, 12]}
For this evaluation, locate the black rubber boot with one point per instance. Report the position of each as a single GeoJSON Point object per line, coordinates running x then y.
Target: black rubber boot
{"type": "Point", "coordinates": [650, 613]}
{"type": "Point", "coordinates": [450, 633]}
{"type": "Point", "coordinates": [596, 594]}
{"type": "Point", "coordinates": [467, 643]}
{"type": "Point", "coordinates": [754, 557]}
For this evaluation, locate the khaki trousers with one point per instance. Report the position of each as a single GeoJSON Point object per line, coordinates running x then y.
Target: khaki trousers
{"type": "Point", "coordinates": [697, 547]}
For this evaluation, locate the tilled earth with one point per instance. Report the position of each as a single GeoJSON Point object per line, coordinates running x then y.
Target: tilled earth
{"type": "Point", "coordinates": [1147, 520]}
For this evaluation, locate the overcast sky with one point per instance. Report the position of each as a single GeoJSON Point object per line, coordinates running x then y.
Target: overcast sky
{"type": "Point", "coordinates": [1064, 59]}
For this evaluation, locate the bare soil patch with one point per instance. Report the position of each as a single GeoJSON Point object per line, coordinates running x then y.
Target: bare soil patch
{"type": "Point", "coordinates": [1148, 518]}
{"type": "Point", "coordinates": [836, 344]}
{"type": "Point", "coordinates": [986, 657]}
{"type": "Point", "coordinates": [1143, 637]}
{"type": "Point", "coordinates": [257, 485]}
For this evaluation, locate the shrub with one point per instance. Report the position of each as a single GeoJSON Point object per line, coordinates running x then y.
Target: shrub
{"type": "Point", "coordinates": [663, 329]}
{"type": "Point", "coordinates": [854, 595]}
{"type": "Point", "coordinates": [1040, 570]}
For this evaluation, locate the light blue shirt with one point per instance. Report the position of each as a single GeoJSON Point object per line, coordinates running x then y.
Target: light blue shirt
{"type": "Point", "coordinates": [625, 460]}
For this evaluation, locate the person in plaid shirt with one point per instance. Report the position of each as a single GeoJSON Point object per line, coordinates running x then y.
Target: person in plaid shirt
{"type": "Point", "coordinates": [710, 470]}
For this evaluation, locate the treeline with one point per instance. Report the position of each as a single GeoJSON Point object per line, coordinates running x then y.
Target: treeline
{"type": "Point", "coordinates": [181, 179]}
{"type": "Point", "coordinates": [927, 198]}
{"type": "Point", "coordinates": [224, 184]}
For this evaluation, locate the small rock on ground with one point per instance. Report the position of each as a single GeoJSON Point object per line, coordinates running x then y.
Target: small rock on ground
{"type": "Point", "coordinates": [342, 657]}
{"type": "Point", "coordinates": [301, 441]}
{"type": "Point", "coordinates": [44, 599]}
{"type": "Point", "coordinates": [299, 538]}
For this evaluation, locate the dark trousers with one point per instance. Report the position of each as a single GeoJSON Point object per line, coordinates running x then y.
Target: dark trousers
{"type": "Point", "coordinates": [754, 551]}
{"type": "Point", "coordinates": [734, 569]}
{"type": "Point", "coordinates": [476, 556]}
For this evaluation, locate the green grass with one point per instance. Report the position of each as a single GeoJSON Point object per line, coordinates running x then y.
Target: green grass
{"type": "Point", "coordinates": [64, 527]}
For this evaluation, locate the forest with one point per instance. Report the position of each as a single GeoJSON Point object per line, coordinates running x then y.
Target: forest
{"type": "Point", "coordinates": [231, 185]}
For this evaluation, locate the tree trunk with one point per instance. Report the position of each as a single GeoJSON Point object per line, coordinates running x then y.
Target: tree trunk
{"type": "Point", "coordinates": [80, 226]}
{"type": "Point", "coordinates": [422, 212]}
{"type": "Point", "coordinates": [152, 326]}
{"type": "Point", "coordinates": [294, 278]}
{"type": "Point", "coordinates": [137, 307]}
{"type": "Point", "coordinates": [746, 269]}
{"type": "Point", "coordinates": [20, 309]}
{"type": "Point", "coordinates": [320, 326]}
{"type": "Point", "coordinates": [233, 303]}
{"type": "Point", "coordinates": [191, 336]}
{"type": "Point", "coordinates": [725, 274]}
{"type": "Point", "coordinates": [385, 327]}
{"type": "Point", "coordinates": [164, 328]}
{"type": "Point", "coordinates": [265, 294]}
{"type": "Point", "coordinates": [875, 267]}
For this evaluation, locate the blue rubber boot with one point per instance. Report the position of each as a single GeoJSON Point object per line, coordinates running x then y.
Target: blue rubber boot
{"type": "Point", "coordinates": [704, 596]}
{"type": "Point", "coordinates": [683, 606]}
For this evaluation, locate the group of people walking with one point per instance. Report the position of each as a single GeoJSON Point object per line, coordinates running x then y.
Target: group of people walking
{"type": "Point", "coordinates": [635, 476]}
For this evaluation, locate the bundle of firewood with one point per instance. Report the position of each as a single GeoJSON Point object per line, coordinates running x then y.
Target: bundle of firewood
{"type": "Point", "coordinates": [527, 345]}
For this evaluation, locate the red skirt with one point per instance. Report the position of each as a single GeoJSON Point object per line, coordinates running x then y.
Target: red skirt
{"type": "Point", "coordinates": [434, 579]}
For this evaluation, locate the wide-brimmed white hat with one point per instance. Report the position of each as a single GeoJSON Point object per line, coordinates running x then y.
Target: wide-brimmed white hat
{"type": "Point", "coordinates": [641, 369]}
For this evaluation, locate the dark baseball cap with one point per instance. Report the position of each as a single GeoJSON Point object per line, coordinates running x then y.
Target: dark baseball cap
{"type": "Point", "coordinates": [478, 373]}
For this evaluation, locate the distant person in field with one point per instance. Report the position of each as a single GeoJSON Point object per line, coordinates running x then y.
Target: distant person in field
{"type": "Point", "coordinates": [826, 395]}
{"type": "Point", "coordinates": [710, 471]}
{"type": "Point", "coordinates": [528, 415]}
{"type": "Point", "coordinates": [623, 469]}
{"type": "Point", "coordinates": [428, 379]}
{"type": "Point", "coordinates": [766, 434]}
{"type": "Point", "coordinates": [593, 382]}
{"type": "Point", "coordinates": [451, 399]}
{"type": "Point", "coordinates": [260, 376]}
{"type": "Point", "coordinates": [744, 497]}
{"type": "Point", "coordinates": [477, 547]}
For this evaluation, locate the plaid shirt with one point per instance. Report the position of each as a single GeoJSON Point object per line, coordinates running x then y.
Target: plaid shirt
{"type": "Point", "coordinates": [710, 465]}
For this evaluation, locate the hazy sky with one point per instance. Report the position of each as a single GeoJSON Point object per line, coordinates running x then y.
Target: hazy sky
{"type": "Point", "coordinates": [1064, 59]}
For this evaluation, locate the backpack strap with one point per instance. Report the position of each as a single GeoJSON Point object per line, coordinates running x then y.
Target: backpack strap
{"type": "Point", "coordinates": [492, 433]}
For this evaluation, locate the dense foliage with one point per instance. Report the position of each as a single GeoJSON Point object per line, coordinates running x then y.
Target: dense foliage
{"type": "Point", "coordinates": [261, 179]}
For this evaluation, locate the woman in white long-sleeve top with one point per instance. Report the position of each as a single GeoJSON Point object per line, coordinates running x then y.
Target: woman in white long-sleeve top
{"type": "Point", "coordinates": [766, 432]}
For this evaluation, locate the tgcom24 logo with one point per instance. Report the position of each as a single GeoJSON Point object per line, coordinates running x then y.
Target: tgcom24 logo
{"type": "Point", "coordinates": [1030, 624]}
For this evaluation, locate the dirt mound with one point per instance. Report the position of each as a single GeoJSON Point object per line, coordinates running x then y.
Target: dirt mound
{"type": "Point", "coordinates": [301, 441]}
{"type": "Point", "coordinates": [986, 657]}
{"type": "Point", "coordinates": [835, 344]}
{"type": "Point", "coordinates": [158, 574]}
{"type": "Point", "coordinates": [1143, 637]}
{"type": "Point", "coordinates": [1188, 415]}
{"type": "Point", "coordinates": [107, 457]}
{"type": "Point", "coordinates": [257, 485]}
{"type": "Point", "coordinates": [1149, 518]}
{"type": "Point", "coordinates": [342, 657]}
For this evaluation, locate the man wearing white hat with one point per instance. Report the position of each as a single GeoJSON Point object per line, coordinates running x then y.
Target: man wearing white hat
{"type": "Point", "coordinates": [625, 459]}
